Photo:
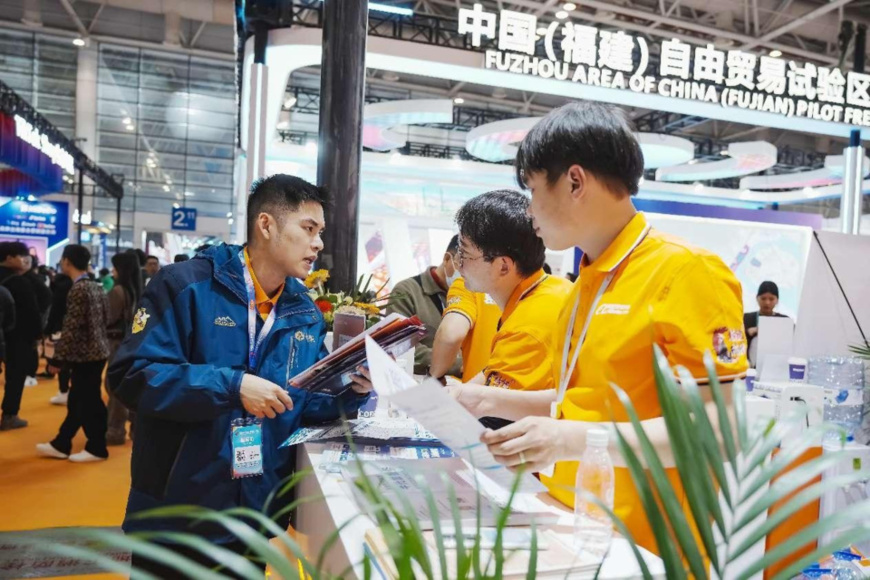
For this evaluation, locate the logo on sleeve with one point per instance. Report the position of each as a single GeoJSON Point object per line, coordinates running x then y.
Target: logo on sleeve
{"type": "Point", "coordinates": [453, 300]}
{"type": "Point", "coordinates": [224, 321]}
{"type": "Point", "coordinates": [728, 344]}
{"type": "Point", "coordinates": [140, 320]}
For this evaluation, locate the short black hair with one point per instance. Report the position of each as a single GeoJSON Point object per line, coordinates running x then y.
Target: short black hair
{"type": "Point", "coordinates": [498, 223]}
{"type": "Point", "coordinates": [79, 256]}
{"type": "Point", "coordinates": [595, 136]}
{"type": "Point", "coordinates": [453, 246]}
{"type": "Point", "coordinates": [180, 258]}
{"type": "Point", "coordinates": [12, 249]}
{"type": "Point", "coordinates": [104, 272]}
{"type": "Point", "coordinates": [150, 257]}
{"type": "Point", "coordinates": [768, 287]}
{"type": "Point", "coordinates": [281, 193]}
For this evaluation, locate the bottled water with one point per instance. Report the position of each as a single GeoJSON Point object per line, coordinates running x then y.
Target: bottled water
{"type": "Point", "coordinates": [593, 529]}
{"type": "Point", "coordinates": [843, 568]}
{"type": "Point", "coordinates": [843, 381]}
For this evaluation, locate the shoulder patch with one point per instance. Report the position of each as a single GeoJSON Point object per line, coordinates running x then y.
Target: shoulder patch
{"type": "Point", "coordinates": [140, 320]}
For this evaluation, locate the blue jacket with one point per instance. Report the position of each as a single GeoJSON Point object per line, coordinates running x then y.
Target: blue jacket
{"type": "Point", "coordinates": [181, 368]}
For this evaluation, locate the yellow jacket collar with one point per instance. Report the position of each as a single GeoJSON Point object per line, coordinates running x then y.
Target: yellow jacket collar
{"type": "Point", "coordinates": [627, 240]}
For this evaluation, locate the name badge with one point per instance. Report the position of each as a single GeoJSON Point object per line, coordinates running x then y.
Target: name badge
{"type": "Point", "coordinates": [247, 440]}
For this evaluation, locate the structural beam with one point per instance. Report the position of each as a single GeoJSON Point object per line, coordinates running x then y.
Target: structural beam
{"type": "Point", "coordinates": [797, 22]}
{"type": "Point", "coordinates": [342, 87]}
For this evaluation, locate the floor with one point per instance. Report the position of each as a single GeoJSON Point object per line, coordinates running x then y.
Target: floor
{"type": "Point", "coordinates": [36, 492]}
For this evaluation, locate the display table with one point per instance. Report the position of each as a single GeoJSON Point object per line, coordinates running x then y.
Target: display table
{"type": "Point", "coordinates": [318, 520]}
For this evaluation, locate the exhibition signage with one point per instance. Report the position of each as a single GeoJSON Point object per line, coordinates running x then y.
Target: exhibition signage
{"type": "Point", "coordinates": [45, 219]}
{"type": "Point", "coordinates": [58, 155]}
{"type": "Point", "coordinates": [184, 219]}
{"type": "Point", "coordinates": [732, 78]}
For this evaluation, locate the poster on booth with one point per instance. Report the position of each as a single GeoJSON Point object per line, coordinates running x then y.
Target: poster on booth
{"type": "Point", "coordinates": [41, 225]}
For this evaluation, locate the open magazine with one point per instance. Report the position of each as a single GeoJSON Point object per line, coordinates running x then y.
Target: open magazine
{"type": "Point", "coordinates": [396, 334]}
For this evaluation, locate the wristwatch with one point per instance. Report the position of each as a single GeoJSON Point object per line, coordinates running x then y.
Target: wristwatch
{"type": "Point", "coordinates": [442, 379]}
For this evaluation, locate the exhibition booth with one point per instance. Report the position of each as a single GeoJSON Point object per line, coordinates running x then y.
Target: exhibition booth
{"type": "Point", "coordinates": [407, 202]}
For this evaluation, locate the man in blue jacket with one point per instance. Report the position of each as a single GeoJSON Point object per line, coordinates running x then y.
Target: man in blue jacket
{"type": "Point", "coordinates": [213, 344]}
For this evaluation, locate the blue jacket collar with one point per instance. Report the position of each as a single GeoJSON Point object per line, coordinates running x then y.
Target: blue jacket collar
{"type": "Point", "coordinates": [228, 271]}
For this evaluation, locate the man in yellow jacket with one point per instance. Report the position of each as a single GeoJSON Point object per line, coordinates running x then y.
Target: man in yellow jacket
{"type": "Point", "coordinates": [637, 287]}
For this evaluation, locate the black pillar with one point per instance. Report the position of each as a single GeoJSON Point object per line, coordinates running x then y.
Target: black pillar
{"type": "Point", "coordinates": [81, 206]}
{"type": "Point", "coordinates": [342, 84]}
{"type": "Point", "coordinates": [118, 227]}
{"type": "Point", "coordinates": [860, 47]}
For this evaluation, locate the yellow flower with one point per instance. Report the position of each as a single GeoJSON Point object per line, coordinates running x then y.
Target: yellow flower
{"type": "Point", "coordinates": [316, 278]}
{"type": "Point", "coordinates": [369, 309]}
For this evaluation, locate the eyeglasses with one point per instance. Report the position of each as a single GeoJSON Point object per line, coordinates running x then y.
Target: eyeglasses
{"type": "Point", "coordinates": [460, 258]}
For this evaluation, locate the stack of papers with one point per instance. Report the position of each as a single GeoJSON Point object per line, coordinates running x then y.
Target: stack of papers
{"type": "Point", "coordinates": [333, 374]}
{"type": "Point", "coordinates": [555, 559]}
{"type": "Point", "coordinates": [406, 483]}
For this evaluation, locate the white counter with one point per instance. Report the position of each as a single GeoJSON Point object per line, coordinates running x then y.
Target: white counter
{"type": "Point", "coordinates": [317, 520]}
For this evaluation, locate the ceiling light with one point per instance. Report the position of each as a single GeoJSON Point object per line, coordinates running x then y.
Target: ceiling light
{"type": "Point", "coordinates": [808, 190]}
{"type": "Point", "coordinates": [230, 221]}
{"type": "Point", "coordinates": [569, 6]}
{"type": "Point", "coordinates": [776, 53]}
{"type": "Point", "coordinates": [499, 93]}
{"type": "Point", "coordinates": [131, 127]}
{"type": "Point", "coordinates": [395, 157]}
{"type": "Point", "coordinates": [79, 41]}
{"type": "Point", "coordinates": [692, 161]}
{"type": "Point", "coordinates": [127, 121]}
{"type": "Point", "coordinates": [542, 31]}
{"type": "Point", "coordinates": [289, 102]}
{"type": "Point", "coordinates": [176, 205]}
{"type": "Point", "coordinates": [229, 214]}
{"type": "Point", "coordinates": [166, 188]}
{"type": "Point", "coordinates": [189, 194]}
{"type": "Point", "coordinates": [458, 101]}
{"type": "Point", "coordinates": [311, 146]}
{"type": "Point", "coordinates": [378, 7]}
{"type": "Point", "coordinates": [605, 15]}
{"type": "Point", "coordinates": [390, 76]}
{"type": "Point", "coordinates": [725, 153]}
{"type": "Point", "coordinates": [699, 187]}
{"type": "Point", "coordinates": [561, 15]}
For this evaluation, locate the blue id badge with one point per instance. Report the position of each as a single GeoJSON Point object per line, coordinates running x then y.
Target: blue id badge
{"type": "Point", "coordinates": [247, 440]}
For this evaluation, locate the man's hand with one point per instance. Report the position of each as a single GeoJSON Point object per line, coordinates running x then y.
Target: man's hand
{"type": "Point", "coordinates": [472, 397]}
{"type": "Point", "coordinates": [751, 332]}
{"type": "Point", "coordinates": [534, 442]}
{"type": "Point", "coordinates": [362, 381]}
{"type": "Point", "coordinates": [262, 398]}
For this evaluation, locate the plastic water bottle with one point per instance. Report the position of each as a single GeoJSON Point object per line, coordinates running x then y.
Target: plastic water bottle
{"type": "Point", "coordinates": [593, 530]}
{"type": "Point", "coordinates": [843, 567]}
{"type": "Point", "coordinates": [843, 381]}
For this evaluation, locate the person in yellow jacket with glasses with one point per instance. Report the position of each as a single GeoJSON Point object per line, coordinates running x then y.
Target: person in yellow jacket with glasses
{"type": "Point", "coordinates": [637, 287]}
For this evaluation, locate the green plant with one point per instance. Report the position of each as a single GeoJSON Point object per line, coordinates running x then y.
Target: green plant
{"type": "Point", "coordinates": [702, 455]}
{"type": "Point", "coordinates": [397, 522]}
{"type": "Point", "coordinates": [861, 350]}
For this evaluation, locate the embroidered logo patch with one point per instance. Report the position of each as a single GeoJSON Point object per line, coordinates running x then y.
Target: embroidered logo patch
{"type": "Point", "coordinates": [453, 300]}
{"type": "Point", "coordinates": [224, 321]}
{"type": "Point", "coordinates": [140, 320]}
{"type": "Point", "coordinates": [728, 344]}
{"type": "Point", "coordinates": [613, 309]}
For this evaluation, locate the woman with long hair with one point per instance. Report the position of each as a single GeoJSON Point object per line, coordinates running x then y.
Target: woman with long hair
{"type": "Point", "coordinates": [123, 298]}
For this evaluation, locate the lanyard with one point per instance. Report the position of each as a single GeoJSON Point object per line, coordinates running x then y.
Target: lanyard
{"type": "Point", "coordinates": [254, 341]}
{"type": "Point", "coordinates": [568, 371]}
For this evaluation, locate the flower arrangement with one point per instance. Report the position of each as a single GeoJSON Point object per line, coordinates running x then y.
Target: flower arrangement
{"type": "Point", "coordinates": [362, 300]}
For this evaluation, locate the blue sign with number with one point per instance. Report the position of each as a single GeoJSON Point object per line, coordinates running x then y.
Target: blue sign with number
{"type": "Point", "coordinates": [184, 219]}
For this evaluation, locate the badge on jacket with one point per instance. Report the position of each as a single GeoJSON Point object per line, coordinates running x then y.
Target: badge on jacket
{"type": "Point", "coordinates": [140, 320]}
